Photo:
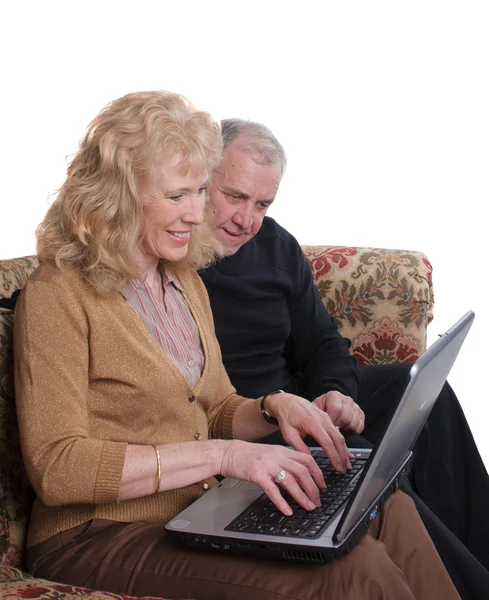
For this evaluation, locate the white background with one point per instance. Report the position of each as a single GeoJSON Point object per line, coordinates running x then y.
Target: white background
{"type": "Point", "coordinates": [383, 108]}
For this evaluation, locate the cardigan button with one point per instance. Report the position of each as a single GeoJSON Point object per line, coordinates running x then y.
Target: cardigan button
{"type": "Point", "coordinates": [205, 486]}
{"type": "Point", "coordinates": [197, 436]}
{"type": "Point", "coordinates": [191, 398]}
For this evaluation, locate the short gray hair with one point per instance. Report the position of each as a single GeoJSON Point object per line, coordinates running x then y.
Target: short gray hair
{"type": "Point", "coordinates": [257, 137]}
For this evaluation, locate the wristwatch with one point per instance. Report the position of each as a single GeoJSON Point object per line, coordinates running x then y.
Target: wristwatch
{"type": "Point", "coordinates": [266, 415]}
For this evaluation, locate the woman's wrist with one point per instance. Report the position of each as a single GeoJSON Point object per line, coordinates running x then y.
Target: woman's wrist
{"type": "Point", "coordinates": [211, 455]}
{"type": "Point", "coordinates": [268, 407]}
{"type": "Point", "coordinates": [224, 448]}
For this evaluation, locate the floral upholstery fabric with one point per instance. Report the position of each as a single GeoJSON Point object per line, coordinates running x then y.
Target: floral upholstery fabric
{"type": "Point", "coordinates": [15, 494]}
{"type": "Point", "coordinates": [14, 584]}
{"type": "Point", "coordinates": [383, 300]}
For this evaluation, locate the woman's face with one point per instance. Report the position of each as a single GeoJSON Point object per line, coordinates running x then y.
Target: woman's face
{"type": "Point", "coordinates": [173, 205]}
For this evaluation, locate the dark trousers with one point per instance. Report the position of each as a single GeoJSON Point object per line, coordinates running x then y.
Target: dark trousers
{"type": "Point", "coordinates": [447, 473]}
{"type": "Point", "coordinates": [468, 575]}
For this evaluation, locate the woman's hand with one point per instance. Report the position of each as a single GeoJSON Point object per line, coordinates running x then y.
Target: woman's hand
{"type": "Point", "coordinates": [261, 464]}
{"type": "Point", "coordinates": [297, 417]}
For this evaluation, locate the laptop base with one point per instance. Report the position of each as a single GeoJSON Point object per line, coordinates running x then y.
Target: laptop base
{"type": "Point", "coordinates": [286, 551]}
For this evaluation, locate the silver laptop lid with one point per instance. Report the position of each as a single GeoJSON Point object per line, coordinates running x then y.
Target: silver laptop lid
{"type": "Point", "coordinates": [426, 379]}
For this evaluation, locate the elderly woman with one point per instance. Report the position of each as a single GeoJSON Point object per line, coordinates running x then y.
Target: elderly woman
{"type": "Point", "coordinates": [125, 410]}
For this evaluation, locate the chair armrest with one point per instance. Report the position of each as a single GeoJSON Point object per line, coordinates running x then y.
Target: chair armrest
{"type": "Point", "coordinates": [383, 299]}
{"type": "Point", "coordinates": [14, 273]}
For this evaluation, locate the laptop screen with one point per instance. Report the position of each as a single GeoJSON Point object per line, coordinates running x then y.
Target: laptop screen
{"type": "Point", "coordinates": [426, 379]}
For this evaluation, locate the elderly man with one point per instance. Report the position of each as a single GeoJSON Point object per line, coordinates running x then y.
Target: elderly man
{"type": "Point", "coordinates": [276, 334]}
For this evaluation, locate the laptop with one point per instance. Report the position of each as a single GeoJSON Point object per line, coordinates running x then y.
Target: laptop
{"type": "Point", "coordinates": [237, 517]}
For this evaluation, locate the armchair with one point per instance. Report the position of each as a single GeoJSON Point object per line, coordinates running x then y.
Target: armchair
{"type": "Point", "coordinates": [383, 300]}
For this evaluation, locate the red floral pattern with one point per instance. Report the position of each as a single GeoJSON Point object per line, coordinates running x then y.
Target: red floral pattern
{"type": "Point", "coordinates": [429, 268]}
{"type": "Point", "coordinates": [385, 343]}
{"type": "Point", "coordinates": [323, 258]}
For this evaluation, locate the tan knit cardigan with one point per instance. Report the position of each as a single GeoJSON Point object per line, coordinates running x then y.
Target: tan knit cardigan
{"type": "Point", "coordinates": [89, 380]}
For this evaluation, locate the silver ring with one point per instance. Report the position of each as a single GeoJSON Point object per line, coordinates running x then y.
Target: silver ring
{"type": "Point", "coordinates": [281, 476]}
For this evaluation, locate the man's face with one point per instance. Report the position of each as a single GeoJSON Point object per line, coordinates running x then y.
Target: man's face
{"type": "Point", "coordinates": [240, 193]}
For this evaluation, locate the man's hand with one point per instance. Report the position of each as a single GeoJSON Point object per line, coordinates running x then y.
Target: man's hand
{"type": "Point", "coordinates": [341, 409]}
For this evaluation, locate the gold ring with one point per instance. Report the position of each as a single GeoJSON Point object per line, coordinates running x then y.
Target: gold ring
{"type": "Point", "coordinates": [281, 476]}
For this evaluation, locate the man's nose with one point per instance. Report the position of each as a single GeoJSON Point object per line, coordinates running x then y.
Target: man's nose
{"type": "Point", "coordinates": [244, 216]}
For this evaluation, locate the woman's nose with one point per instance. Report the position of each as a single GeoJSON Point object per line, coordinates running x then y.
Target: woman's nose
{"type": "Point", "coordinates": [195, 210]}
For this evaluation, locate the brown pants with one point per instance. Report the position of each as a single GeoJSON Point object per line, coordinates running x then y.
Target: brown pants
{"type": "Point", "coordinates": [395, 560]}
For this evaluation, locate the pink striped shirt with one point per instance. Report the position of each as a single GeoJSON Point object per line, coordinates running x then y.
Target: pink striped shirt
{"type": "Point", "coordinates": [170, 323]}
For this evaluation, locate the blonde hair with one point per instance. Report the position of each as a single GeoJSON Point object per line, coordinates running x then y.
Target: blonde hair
{"type": "Point", "coordinates": [96, 222]}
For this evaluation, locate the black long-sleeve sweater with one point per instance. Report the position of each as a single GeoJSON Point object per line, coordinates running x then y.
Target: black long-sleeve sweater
{"type": "Point", "coordinates": [273, 329]}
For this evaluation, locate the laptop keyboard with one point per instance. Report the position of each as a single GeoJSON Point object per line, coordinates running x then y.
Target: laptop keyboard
{"type": "Point", "coordinates": [263, 517]}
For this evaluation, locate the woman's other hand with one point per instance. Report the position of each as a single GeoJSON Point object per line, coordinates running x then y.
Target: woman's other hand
{"type": "Point", "coordinates": [297, 418]}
